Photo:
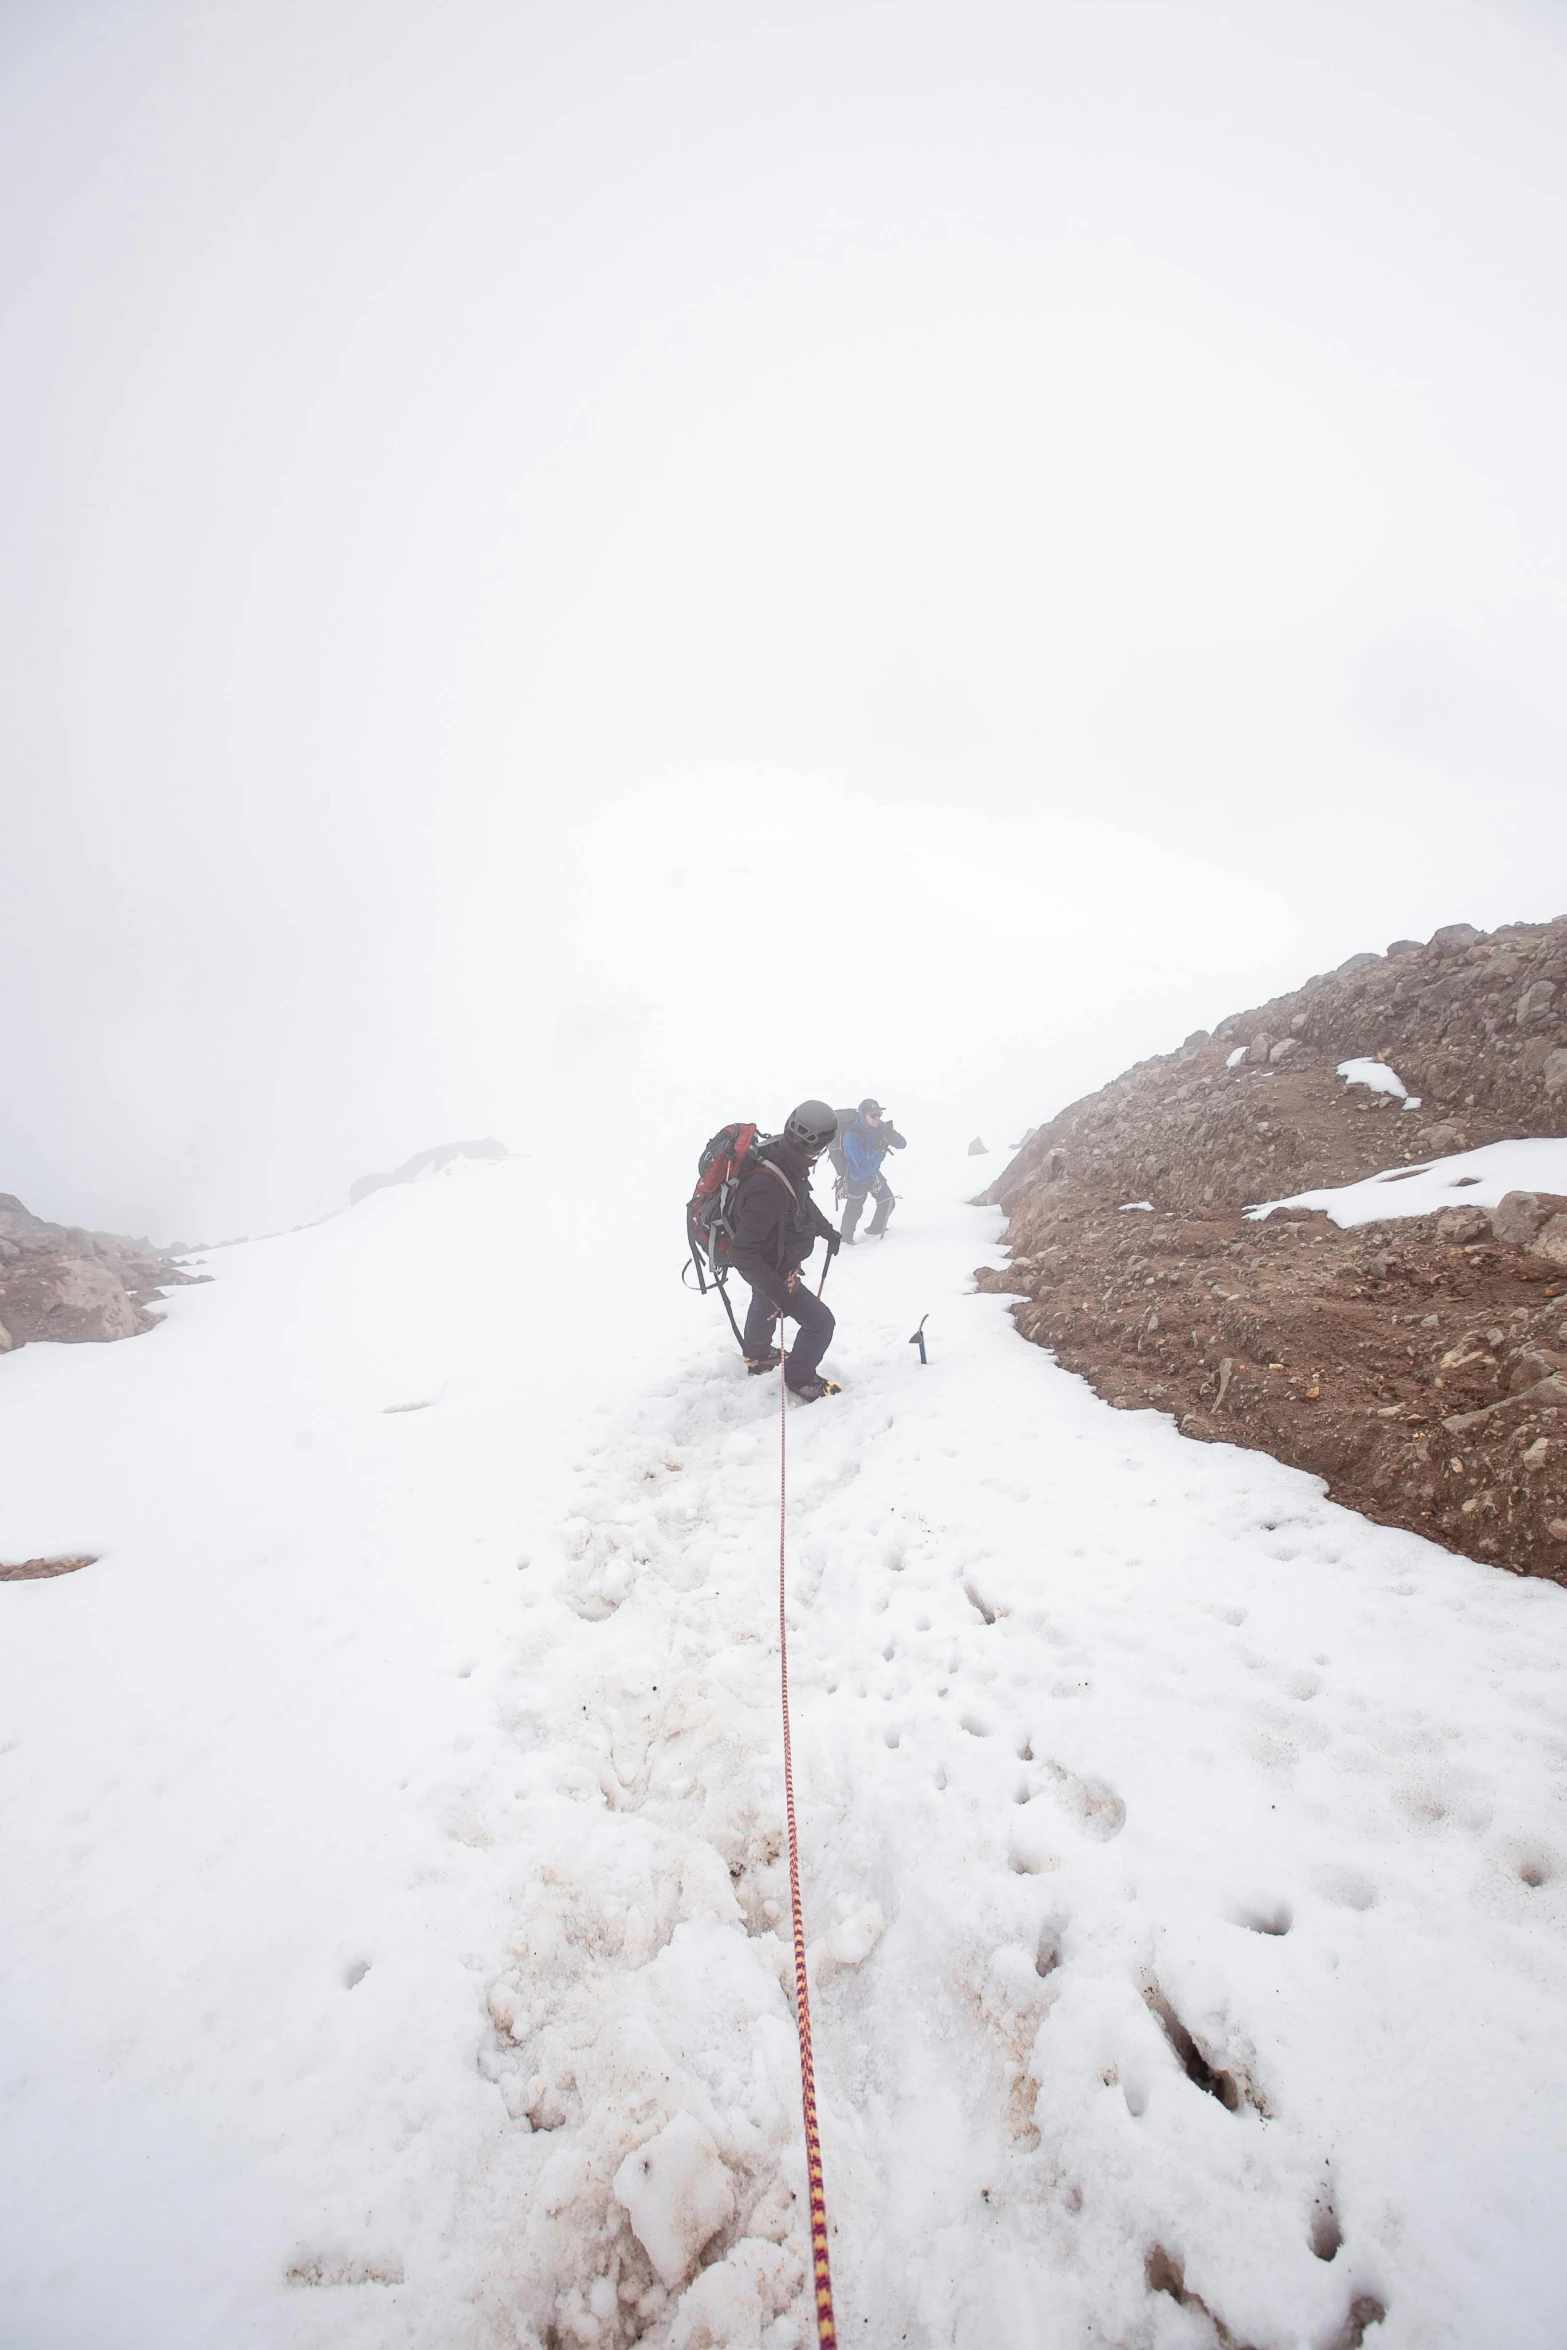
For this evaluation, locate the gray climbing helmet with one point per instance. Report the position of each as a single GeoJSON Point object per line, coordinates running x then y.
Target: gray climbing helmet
{"type": "Point", "coordinates": [812, 1125]}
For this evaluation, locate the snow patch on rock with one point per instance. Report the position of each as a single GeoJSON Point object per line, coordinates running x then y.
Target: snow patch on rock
{"type": "Point", "coordinates": [1475, 1179]}
{"type": "Point", "coordinates": [1376, 1076]}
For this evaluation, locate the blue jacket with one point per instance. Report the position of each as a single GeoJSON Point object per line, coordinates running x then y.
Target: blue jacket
{"type": "Point", "coordinates": [865, 1151]}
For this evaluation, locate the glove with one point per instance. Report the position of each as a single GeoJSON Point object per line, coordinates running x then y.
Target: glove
{"type": "Point", "coordinates": [834, 1244]}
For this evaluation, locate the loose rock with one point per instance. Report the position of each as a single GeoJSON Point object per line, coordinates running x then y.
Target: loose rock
{"type": "Point", "coordinates": [1460, 1226]}
{"type": "Point", "coordinates": [1551, 1242]}
{"type": "Point", "coordinates": [1517, 1217]}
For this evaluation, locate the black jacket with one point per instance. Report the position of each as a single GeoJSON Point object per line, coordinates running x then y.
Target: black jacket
{"type": "Point", "coordinates": [776, 1221]}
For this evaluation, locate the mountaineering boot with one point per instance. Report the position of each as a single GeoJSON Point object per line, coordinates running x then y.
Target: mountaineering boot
{"type": "Point", "coordinates": [757, 1364]}
{"type": "Point", "coordinates": [812, 1390]}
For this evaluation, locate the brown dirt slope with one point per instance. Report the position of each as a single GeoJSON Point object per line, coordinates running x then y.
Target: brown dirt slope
{"type": "Point", "coordinates": [1418, 1366]}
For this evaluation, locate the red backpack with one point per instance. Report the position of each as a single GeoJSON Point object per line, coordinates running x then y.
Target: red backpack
{"type": "Point", "coordinates": [725, 1165]}
{"type": "Point", "coordinates": [722, 1168]}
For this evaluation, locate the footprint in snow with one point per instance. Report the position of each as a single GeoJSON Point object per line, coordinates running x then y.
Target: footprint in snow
{"type": "Point", "coordinates": [1092, 1803]}
{"type": "Point", "coordinates": [1264, 1917]}
{"type": "Point", "coordinates": [1228, 2075]}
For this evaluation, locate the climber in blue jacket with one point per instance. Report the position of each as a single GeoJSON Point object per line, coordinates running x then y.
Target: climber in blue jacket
{"type": "Point", "coordinates": [866, 1140]}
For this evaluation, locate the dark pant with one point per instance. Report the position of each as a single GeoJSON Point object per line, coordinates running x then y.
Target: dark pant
{"type": "Point", "coordinates": [816, 1329]}
{"type": "Point", "coordinates": [880, 1190]}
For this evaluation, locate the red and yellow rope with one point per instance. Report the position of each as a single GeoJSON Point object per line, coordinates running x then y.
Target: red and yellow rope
{"type": "Point", "coordinates": [826, 2330]}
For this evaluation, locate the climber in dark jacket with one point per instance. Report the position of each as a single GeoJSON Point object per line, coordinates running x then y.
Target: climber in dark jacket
{"type": "Point", "coordinates": [865, 1144]}
{"type": "Point", "coordinates": [776, 1226]}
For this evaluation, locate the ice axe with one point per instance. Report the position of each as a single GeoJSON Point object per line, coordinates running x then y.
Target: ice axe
{"type": "Point", "coordinates": [918, 1338]}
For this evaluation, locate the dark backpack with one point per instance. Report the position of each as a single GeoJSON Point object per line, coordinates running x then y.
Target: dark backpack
{"type": "Point", "coordinates": [723, 1167]}
{"type": "Point", "coordinates": [840, 1165]}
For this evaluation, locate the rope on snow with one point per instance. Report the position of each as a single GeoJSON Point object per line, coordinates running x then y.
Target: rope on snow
{"type": "Point", "coordinates": [826, 2331]}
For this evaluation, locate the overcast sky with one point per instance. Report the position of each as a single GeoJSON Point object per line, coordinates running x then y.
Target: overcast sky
{"type": "Point", "coordinates": [617, 561]}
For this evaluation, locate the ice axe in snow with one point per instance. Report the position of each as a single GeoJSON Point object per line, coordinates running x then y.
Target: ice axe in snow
{"type": "Point", "coordinates": [918, 1338]}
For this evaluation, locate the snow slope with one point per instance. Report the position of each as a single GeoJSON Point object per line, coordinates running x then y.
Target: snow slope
{"type": "Point", "coordinates": [390, 1832]}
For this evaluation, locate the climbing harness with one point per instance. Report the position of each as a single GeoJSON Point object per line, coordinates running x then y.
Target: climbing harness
{"type": "Point", "coordinates": [826, 2331]}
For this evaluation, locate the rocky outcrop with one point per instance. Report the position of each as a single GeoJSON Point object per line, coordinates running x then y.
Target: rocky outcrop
{"type": "Point", "coordinates": [41, 1570]}
{"type": "Point", "coordinates": [425, 1163]}
{"type": "Point", "coordinates": [1419, 1366]}
{"type": "Point", "coordinates": [1475, 1027]}
{"type": "Point", "coordinates": [60, 1282]}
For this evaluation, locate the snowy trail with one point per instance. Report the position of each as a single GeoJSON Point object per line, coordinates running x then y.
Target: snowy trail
{"type": "Point", "coordinates": [1186, 1860]}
